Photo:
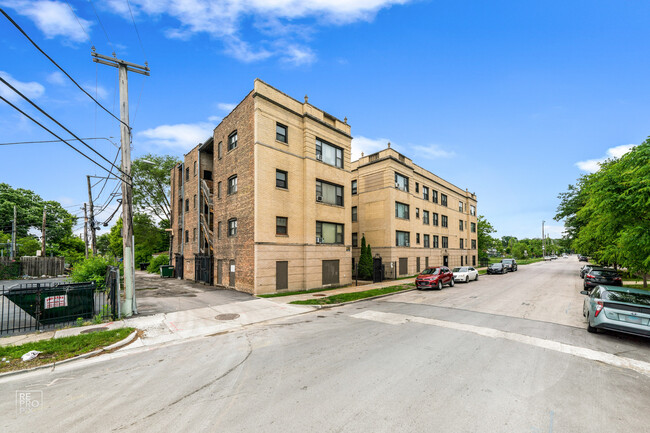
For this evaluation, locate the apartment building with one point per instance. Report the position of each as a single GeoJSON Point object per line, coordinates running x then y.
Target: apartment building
{"type": "Point", "coordinates": [263, 205]}
{"type": "Point", "coordinates": [411, 217]}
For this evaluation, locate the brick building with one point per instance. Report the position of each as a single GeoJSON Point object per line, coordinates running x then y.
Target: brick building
{"type": "Point", "coordinates": [263, 205]}
{"type": "Point", "coordinates": [411, 217]}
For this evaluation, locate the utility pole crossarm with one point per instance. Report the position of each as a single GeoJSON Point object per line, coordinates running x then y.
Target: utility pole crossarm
{"type": "Point", "coordinates": [115, 62]}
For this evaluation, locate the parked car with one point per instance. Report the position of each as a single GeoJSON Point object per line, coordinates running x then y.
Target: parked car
{"type": "Point", "coordinates": [582, 258]}
{"type": "Point", "coordinates": [587, 268]}
{"type": "Point", "coordinates": [618, 309]}
{"type": "Point", "coordinates": [598, 276]}
{"type": "Point", "coordinates": [434, 277]}
{"type": "Point", "coordinates": [510, 264]}
{"type": "Point", "coordinates": [497, 268]}
{"type": "Point", "coordinates": [465, 273]}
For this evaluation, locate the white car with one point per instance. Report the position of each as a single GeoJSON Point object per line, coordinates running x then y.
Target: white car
{"type": "Point", "coordinates": [465, 274]}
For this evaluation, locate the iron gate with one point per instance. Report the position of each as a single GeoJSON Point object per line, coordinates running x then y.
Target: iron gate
{"type": "Point", "coordinates": [178, 266]}
{"type": "Point", "coordinates": [204, 269]}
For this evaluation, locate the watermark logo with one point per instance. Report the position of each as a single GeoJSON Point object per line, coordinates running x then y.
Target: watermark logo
{"type": "Point", "coordinates": [28, 401]}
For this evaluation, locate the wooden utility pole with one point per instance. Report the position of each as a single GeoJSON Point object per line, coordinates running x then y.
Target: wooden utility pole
{"type": "Point", "coordinates": [127, 194]}
{"type": "Point", "coordinates": [12, 253]}
{"type": "Point", "coordinates": [86, 228]}
{"type": "Point", "coordinates": [43, 233]}
{"type": "Point", "coordinates": [92, 219]}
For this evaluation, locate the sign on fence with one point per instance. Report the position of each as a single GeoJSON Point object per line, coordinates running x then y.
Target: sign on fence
{"type": "Point", "coordinates": [56, 301]}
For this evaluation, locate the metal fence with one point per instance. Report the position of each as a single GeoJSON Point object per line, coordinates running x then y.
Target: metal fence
{"type": "Point", "coordinates": [41, 306]}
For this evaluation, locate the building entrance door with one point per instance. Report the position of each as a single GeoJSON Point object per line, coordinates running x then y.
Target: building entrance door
{"type": "Point", "coordinates": [445, 261]}
{"type": "Point", "coordinates": [281, 275]}
{"type": "Point", "coordinates": [231, 270]}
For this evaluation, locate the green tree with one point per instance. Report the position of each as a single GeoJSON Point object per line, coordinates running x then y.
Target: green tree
{"type": "Point", "coordinates": [365, 260]}
{"type": "Point", "coordinates": [151, 188]}
{"type": "Point", "coordinates": [483, 235]}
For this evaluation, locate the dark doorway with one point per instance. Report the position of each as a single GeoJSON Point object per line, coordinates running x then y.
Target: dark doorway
{"type": "Point", "coordinates": [231, 270]}
{"type": "Point", "coordinates": [204, 269]}
{"type": "Point", "coordinates": [473, 260]}
{"type": "Point", "coordinates": [178, 265]}
{"type": "Point", "coordinates": [403, 265]}
{"type": "Point", "coordinates": [377, 270]}
{"type": "Point", "coordinates": [330, 272]}
{"type": "Point", "coordinates": [281, 275]}
{"type": "Point", "coordinates": [445, 261]}
{"type": "Point", "coordinates": [219, 272]}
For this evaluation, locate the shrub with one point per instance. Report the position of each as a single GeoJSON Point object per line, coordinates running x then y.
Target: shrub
{"type": "Point", "coordinates": [157, 262]}
{"type": "Point", "coordinates": [91, 269]}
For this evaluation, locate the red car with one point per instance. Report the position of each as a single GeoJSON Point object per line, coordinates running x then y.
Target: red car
{"type": "Point", "coordinates": [434, 277]}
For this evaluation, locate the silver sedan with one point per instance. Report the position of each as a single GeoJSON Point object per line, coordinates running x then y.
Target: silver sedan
{"type": "Point", "coordinates": [465, 274]}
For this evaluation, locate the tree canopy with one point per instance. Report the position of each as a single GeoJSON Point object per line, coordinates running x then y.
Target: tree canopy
{"type": "Point", "coordinates": [151, 189]}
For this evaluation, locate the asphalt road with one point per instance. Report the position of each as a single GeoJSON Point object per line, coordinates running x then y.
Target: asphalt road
{"type": "Point", "coordinates": [505, 354]}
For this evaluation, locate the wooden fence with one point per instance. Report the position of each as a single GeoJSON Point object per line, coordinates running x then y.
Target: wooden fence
{"type": "Point", "coordinates": [37, 266]}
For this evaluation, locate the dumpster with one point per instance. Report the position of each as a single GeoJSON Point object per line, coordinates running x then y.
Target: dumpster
{"type": "Point", "coordinates": [166, 271]}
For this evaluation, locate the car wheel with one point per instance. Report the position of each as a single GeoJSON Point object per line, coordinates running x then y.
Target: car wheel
{"type": "Point", "coordinates": [467, 279]}
{"type": "Point", "coordinates": [476, 279]}
{"type": "Point", "coordinates": [590, 328]}
{"type": "Point", "coordinates": [451, 283]}
{"type": "Point", "coordinates": [439, 285]}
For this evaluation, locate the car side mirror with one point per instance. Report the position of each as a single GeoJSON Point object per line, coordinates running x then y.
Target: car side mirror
{"type": "Point", "coordinates": [584, 292]}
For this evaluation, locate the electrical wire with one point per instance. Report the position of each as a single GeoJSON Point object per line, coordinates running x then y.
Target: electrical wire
{"type": "Point", "coordinates": [60, 68]}
{"type": "Point", "coordinates": [78, 21]}
{"type": "Point", "coordinates": [57, 141]}
{"type": "Point", "coordinates": [102, 26]}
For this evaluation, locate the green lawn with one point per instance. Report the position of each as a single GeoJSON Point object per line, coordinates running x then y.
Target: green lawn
{"type": "Point", "coordinates": [347, 297]}
{"type": "Point", "coordinates": [300, 292]}
{"type": "Point", "coordinates": [58, 349]}
{"type": "Point", "coordinates": [637, 286]}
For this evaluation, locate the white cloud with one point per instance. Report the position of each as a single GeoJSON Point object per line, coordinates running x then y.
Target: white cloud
{"type": "Point", "coordinates": [367, 146]}
{"type": "Point", "coordinates": [31, 89]}
{"type": "Point", "coordinates": [53, 18]}
{"type": "Point", "coordinates": [96, 89]}
{"type": "Point", "coordinates": [370, 145]}
{"type": "Point", "coordinates": [432, 151]}
{"type": "Point", "coordinates": [275, 19]}
{"type": "Point", "coordinates": [180, 137]}
{"type": "Point", "coordinates": [57, 78]}
{"type": "Point", "coordinates": [593, 165]}
{"type": "Point", "coordinates": [215, 119]}
{"type": "Point", "coordinates": [226, 107]}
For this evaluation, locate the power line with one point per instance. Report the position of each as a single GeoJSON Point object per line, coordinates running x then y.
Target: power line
{"type": "Point", "coordinates": [57, 141]}
{"type": "Point", "coordinates": [107, 177]}
{"type": "Point", "coordinates": [102, 25]}
{"type": "Point", "coordinates": [136, 29]}
{"type": "Point", "coordinates": [60, 68]}
{"type": "Point", "coordinates": [55, 121]}
{"type": "Point", "coordinates": [45, 128]}
{"type": "Point", "coordinates": [78, 22]}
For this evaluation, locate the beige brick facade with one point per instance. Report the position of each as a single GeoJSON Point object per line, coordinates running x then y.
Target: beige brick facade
{"type": "Point", "coordinates": [378, 195]}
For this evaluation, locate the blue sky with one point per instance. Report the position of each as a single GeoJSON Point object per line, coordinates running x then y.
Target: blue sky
{"type": "Point", "coordinates": [513, 100]}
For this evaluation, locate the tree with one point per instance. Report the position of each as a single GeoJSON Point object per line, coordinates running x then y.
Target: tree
{"type": "Point", "coordinates": [484, 240]}
{"type": "Point", "coordinates": [151, 188]}
{"type": "Point", "coordinates": [365, 261]}
{"type": "Point", "coordinates": [149, 238]}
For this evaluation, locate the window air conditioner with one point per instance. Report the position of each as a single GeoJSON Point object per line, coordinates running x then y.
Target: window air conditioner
{"type": "Point", "coordinates": [319, 157]}
{"type": "Point", "coordinates": [319, 240]}
{"type": "Point", "coordinates": [396, 184]}
{"type": "Point", "coordinates": [319, 198]}
{"type": "Point", "coordinates": [406, 244]}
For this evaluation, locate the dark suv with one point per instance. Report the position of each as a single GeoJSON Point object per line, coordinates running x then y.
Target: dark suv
{"type": "Point", "coordinates": [510, 264]}
{"type": "Point", "coordinates": [602, 276]}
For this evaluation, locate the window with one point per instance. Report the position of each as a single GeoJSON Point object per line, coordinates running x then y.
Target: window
{"type": "Point", "coordinates": [281, 179]}
{"type": "Point", "coordinates": [329, 193]}
{"type": "Point", "coordinates": [435, 241]}
{"type": "Point", "coordinates": [425, 217]}
{"type": "Point", "coordinates": [417, 238]}
{"type": "Point", "coordinates": [232, 227]}
{"type": "Point", "coordinates": [417, 212]}
{"type": "Point", "coordinates": [401, 210]}
{"type": "Point", "coordinates": [460, 206]}
{"type": "Point", "coordinates": [401, 182]}
{"type": "Point", "coordinates": [355, 240]}
{"type": "Point", "coordinates": [444, 221]}
{"type": "Point", "coordinates": [417, 187]}
{"type": "Point", "coordinates": [194, 168]}
{"type": "Point", "coordinates": [187, 236]}
{"type": "Point", "coordinates": [445, 242]}
{"type": "Point", "coordinates": [281, 225]}
{"type": "Point", "coordinates": [194, 234]}
{"type": "Point", "coordinates": [434, 196]}
{"type": "Point", "coordinates": [329, 233]}
{"type": "Point", "coordinates": [425, 240]}
{"type": "Point", "coordinates": [460, 225]}
{"type": "Point", "coordinates": [194, 202]}
{"type": "Point", "coordinates": [232, 184]}
{"type": "Point", "coordinates": [425, 192]}
{"type": "Point", "coordinates": [354, 187]}
{"type": "Point", "coordinates": [219, 150]}
{"type": "Point", "coordinates": [281, 133]}
{"type": "Point", "coordinates": [354, 214]}
{"type": "Point", "coordinates": [219, 230]}
{"type": "Point", "coordinates": [180, 236]}
{"type": "Point", "coordinates": [435, 219]}
{"type": "Point", "coordinates": [329, 154]}
{"type": "Point", "coordinates": [187, 173]}
{"type": "Point", "coordinates": [218, 189]}
{"type": "Point", "coordinates": [473, 244]}
{"type": "Point", "coordinates": [443, 199]}
{"type": "Point", "coordinates": [187, 205]}
{"type": "Point", "coordinates": [232, 140]}
{"type": "Point", "coordinates": [462, 243]}
{"type": "Point", "coordinates": [402, 239]}
{"type": "Point", "coordinates": [473, 227]}
{"type": "Point", "coordinates": [472, 210]}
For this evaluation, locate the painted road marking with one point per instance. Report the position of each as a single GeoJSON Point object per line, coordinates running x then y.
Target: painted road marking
{"type": "Point", "coordinates": [581, 352]}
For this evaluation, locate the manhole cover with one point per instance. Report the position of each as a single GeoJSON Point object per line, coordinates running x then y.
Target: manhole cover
{"type": "Point", "coordinates": [319, 294]}
{"type": "Point", "coordinates": [229, 316]}
{"type": "Point", "coordinates": [91, 330]}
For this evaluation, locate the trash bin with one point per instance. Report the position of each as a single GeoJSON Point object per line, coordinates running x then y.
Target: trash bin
{"type": "Point", "coordinates": [166, 271]}
{"type": "Point", "coordinates": [144, 266]}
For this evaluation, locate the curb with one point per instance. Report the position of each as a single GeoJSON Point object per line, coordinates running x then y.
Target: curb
{"type": "Point", "coordinates": [320, 307]}
{"type": "Point", "coordinates": [113, 346]}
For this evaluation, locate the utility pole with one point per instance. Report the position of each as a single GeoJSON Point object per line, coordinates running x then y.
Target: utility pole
{"type": "Point", "coordinates": [12, 253]}
{"type": "Point", "coordinates": [86, 229]}
{"type": "Point", "coordinates": [543, 249]}
{"type": "Point", "coordinates": [43, 233]}
{"type": "Point", "coordinates": [92, 218]}
{"type": "Point", "coordinates": [127, 194]}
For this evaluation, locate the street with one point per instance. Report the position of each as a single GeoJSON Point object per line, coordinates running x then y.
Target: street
{"type": "Point", "coordinates": [507, 353]}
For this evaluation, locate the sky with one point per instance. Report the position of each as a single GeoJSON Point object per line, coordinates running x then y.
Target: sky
{"type": "Point", "coordinates": [513, 100]}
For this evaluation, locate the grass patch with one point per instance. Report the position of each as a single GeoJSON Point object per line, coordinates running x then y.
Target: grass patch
{"type": "Point", "coordinates": [637, 286]}
{"type": "Point", "coordinates": [299, 292]}
{"type": "Point", "coordinates": [347, 297]}
{"type": "Point", "coordinates": [482, 271]}
{"type": "Point", "coordinates": [58, 349]}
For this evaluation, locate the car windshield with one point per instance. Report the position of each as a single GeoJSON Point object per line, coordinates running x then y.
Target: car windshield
{"type": "Point", "coordinates": [496, 265]}
{"type": "Point", "coordinates": [630, 298]}
{"type": "Point", "coordinates": [608, 274]}
{"type": "Point", "coordinates": [506, 261]}
{"type": "Point", "coordinates": [459, 270]}
{"type": "Point", "coordinates": [431, 271]}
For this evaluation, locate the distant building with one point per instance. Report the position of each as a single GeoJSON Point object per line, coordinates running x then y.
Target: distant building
{"type": "Point", "coordinates": [411, 217]}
